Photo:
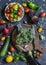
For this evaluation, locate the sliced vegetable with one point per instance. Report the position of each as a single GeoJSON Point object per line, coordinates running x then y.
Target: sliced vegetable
{"type": "Point", "coordinates": [33, 6]}
{"type": "Point", "coordinates": [9, 58]}
{"type": "Point", "coordinates": [5, 47]}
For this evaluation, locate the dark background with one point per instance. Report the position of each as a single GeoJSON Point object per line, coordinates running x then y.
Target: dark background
{"type": "Point", "coordinates": [42, 23]}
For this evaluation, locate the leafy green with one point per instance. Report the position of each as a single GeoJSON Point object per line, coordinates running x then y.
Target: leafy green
{"type": "Point", "coordinates": [26, 35]}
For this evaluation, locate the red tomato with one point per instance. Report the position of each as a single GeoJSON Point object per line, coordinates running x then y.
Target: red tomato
{"type": "Point", "coordinates": [42, 14]}
{"type": "Point", "coordinates": [12, 49]}
{"type": "Point", "coordinates": [10, 18]}
{"type": "Point", "coordinates": [10, 6]}
{"type": "Point", "coordinates": [27, 10]}
{"type": "Point", "coordinates": [20, 9]}
{"type": "Point", "coordinates": [7, 11]}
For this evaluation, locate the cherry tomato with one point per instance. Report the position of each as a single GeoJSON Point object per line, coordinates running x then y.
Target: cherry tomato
{"type": "Point", "coordinates": [40, 54]}
{"type": "Point", "coordinates": [10, 6]}
{"type": "Point", "coordinates": [10, 18]}
{"type": "Point", "coordinates": [11, 15]}
{"type": "Point", "coordinates": [7, 15]}
{"type": "Point", "coordinates": [42, 14]}
{"type": "Point", "coordinates": [19, 13]}
{"type": "Point", "coordinates": [7, 11]}
{"type": "Point", "coordinates": [20, 9]}
{"type": "Point", "coordinates": [12, 49]}
{"type": "Point", "coordinates": [27, 10]}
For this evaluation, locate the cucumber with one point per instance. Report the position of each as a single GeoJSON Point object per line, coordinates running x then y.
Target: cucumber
{"type": "Point", "coordinates": [5, 47]}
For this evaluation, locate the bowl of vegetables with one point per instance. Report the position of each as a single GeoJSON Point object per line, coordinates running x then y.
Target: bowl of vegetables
{"type": "Point", "coordinates": [14, 12]}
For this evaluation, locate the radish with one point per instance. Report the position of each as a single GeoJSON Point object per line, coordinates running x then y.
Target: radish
{"type": "Point", "coordinates": [5, 31]}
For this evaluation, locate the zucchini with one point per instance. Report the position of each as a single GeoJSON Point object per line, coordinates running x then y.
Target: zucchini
{"type": "Point", "coordinates": [5, 47]}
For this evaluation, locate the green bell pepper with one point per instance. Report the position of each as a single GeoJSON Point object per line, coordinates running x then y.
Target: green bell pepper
{"type": "Point", "coordinates": [33, 6]}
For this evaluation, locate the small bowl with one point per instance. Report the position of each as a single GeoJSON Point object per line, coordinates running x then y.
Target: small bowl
{"type": "Point", "coordinates": [7, 7]}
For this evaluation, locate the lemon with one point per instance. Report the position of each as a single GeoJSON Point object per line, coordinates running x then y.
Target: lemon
{"type": "Point", "coordinates": [9, 58]}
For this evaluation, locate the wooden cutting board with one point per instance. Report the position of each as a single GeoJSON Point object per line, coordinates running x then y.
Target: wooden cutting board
{"type": "Point", "coordinates": [30, 46]}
